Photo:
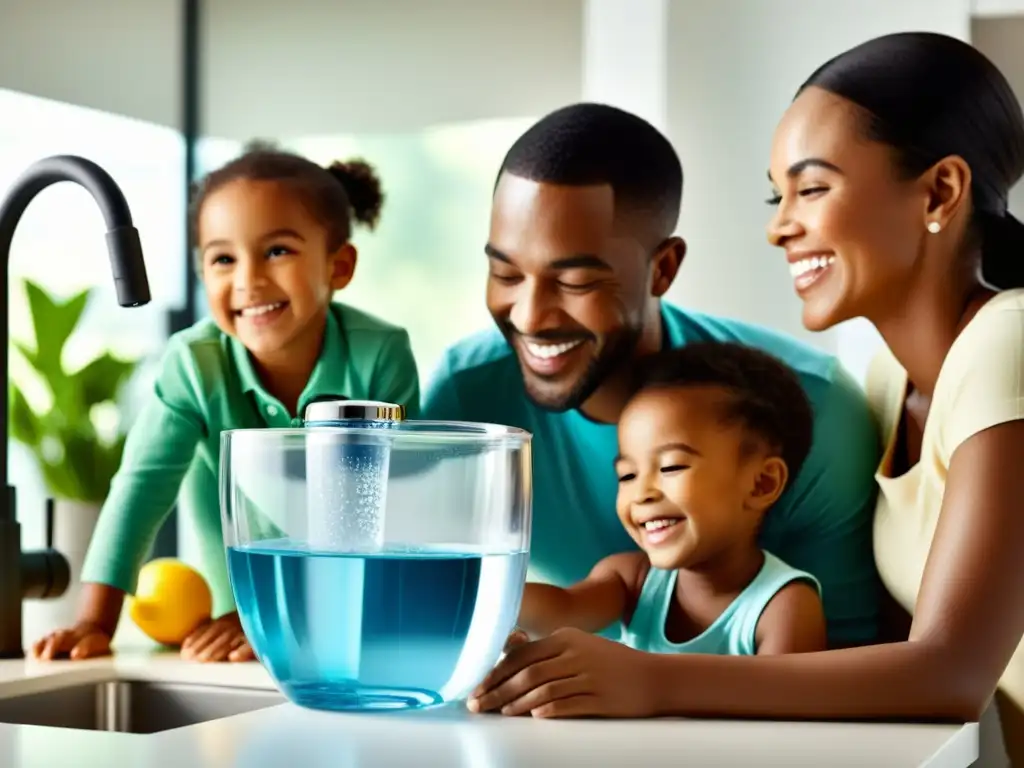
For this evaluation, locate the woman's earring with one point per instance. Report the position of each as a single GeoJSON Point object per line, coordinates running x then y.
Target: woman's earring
{"type": "Point", "coordinates": [934, 227]}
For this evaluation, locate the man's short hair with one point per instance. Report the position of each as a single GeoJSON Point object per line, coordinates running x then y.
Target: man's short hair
{"type": "Point", "coordinates": [586, 144]}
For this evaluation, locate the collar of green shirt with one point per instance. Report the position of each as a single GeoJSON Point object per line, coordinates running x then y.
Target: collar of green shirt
{"type": "Point", "coordinates": [329, 376]}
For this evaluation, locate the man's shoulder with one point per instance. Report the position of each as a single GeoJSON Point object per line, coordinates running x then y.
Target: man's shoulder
{"type": "Point", "coordinates": [841, 410]}
{"type": "Point", "coordinates": [479, 357]}
{"type": "Point", "coordinates": [818, 370]}
{"type": "Point", "coordinates": [477, 379]}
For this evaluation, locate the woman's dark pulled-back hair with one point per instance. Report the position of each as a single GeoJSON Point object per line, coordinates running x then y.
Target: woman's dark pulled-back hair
{"type": "Point", "coordinates": [335, 195]}
{"type": "Point", "coordinates": [930, 96]}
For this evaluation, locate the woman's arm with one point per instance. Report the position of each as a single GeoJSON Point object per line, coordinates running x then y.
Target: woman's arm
{"type": "Point", "coordinates": [968, 621]}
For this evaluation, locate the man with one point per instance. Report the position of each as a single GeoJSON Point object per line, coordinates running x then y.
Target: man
{"type": "Point", "coordinates": [581, 252]}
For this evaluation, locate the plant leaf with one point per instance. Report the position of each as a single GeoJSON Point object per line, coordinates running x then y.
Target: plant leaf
{"type": "Point", "coordinates": [106, 459]}
{"type": "Point", "coordinates": [24, 424]}
{"type": "Point", "coordinates": [53, 322]}
{"type": "Point", "coordinates": [101, 380]}
{"type": "Point", "coordinates": [82, 455]}
{"type": "Point", "coordinates": [60, 480]}
{"type": "Point", "coordinates": [28, 353]}
{"type": "Point", "coordinates": [83, 465]}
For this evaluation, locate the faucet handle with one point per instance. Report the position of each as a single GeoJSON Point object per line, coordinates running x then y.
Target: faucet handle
{"type": "Point", "coordinates": [48, 523]}
{"type": "Point", "coordinates": [45, 573]}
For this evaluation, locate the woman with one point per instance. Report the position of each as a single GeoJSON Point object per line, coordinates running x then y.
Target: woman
{"type": "Point", "coordinates": [892, 169]}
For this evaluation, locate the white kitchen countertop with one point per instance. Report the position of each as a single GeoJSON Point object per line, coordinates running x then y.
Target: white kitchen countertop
{"type": "Point", "coordinates": [286, 735]}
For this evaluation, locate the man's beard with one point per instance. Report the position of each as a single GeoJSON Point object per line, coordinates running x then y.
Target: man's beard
{"type": "Point", "coordinates": [614, 358]}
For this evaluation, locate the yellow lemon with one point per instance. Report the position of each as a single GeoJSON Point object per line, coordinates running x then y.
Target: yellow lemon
{"type": "Point", "coordinates": [171, 600]}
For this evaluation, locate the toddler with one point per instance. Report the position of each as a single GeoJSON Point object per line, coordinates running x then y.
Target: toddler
{"type": "Point", "coordinates": [707, 443]}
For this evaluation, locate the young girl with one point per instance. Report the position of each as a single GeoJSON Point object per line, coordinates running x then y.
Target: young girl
{"type": "Point", "coordinates": [272, 235]}
{"type": "Point", "coordinates": [706, 446]}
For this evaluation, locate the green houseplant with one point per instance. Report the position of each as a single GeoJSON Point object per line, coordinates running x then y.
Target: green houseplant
{"type": "Point", "coordinates": [77, 462]}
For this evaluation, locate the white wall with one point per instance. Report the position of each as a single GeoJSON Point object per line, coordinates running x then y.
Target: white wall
{"type": "Point", "coordinates": [1002, 40]}
{"type": "Point", "coordinates": [985, 9]}
{"type": "Point", "coordinates": [311, 67]}
{"type": "Point", "coordinates": [302, 67]}
{"type": "Point", "coordinates": [625, 56]}
{"type": "Point", "coordinates": [119, 56]}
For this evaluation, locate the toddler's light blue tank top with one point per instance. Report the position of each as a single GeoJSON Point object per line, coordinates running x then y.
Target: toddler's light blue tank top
{"type": "Point", "coordinates": [732, 633]}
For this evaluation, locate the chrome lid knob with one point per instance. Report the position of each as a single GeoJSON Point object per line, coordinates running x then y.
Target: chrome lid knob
{"type": "Point", "coordinates": [353, 410]}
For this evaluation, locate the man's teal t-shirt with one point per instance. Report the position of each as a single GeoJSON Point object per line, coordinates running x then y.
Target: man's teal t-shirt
{"type": "Point", "coordinates": [822, 523]}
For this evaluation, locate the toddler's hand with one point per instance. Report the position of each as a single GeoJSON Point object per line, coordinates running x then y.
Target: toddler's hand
{"type": "Point", "coordinates": [218, 640]}
{"type": "Point", "coordinates": [82, 641]}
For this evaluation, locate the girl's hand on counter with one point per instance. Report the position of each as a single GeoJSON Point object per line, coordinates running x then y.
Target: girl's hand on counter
{"type": "Point", "coordinates": [82, 641]}
{"type": "Point", "coordinates": [218, 640]}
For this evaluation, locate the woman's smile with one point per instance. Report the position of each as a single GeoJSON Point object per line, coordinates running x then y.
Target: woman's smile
{"type": "Point", "coordinates": [808, 268]}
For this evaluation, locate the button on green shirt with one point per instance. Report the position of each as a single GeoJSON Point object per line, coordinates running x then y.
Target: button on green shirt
{"type": "Point", "coordinates": [206, 385]}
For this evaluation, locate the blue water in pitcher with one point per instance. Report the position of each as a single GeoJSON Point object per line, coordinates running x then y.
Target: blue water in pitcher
{"type": "Point", "coordinates": [395, 629]}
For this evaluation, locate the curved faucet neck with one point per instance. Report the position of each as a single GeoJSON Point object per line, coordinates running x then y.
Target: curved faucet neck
{"type": "Point", "coordinates": [126, 260]}
{"type": "Point", "coordinates": [49, 171]}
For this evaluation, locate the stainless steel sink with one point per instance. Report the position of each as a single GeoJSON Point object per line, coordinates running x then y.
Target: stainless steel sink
{"type": "Point", "coordinates": [133, 706]}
